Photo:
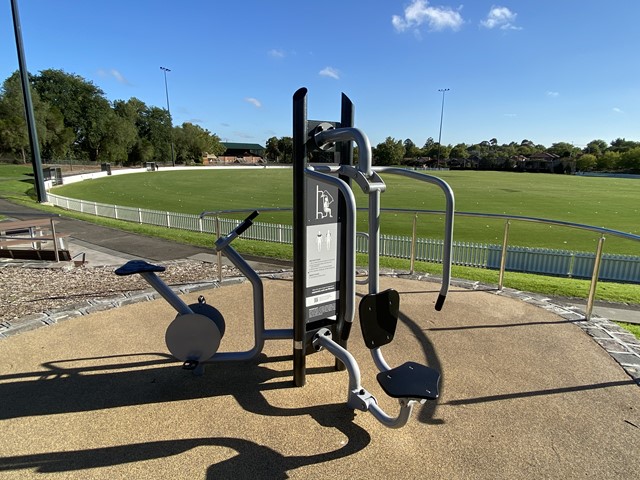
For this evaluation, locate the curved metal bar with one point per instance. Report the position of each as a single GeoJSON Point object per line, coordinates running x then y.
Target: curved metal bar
{"type": "Point", "coordinates": [346, 134]}
{"type": "Point", "coordinates": [391, 422]}
{"type": "Point", "coordinates": [558, 223]}
{"type": "Point", "coordinates": [258, 309]}
{"type": "Point", "coordinates": [449, 214]}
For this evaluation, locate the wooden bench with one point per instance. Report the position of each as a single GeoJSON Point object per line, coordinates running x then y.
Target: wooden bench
{"type": "Point", "coordinates": [34, 231]}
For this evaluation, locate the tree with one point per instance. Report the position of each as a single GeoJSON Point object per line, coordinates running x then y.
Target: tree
{"type": "Point", "coordinates": [193, 141]}
{"type": "Point", "coordinates": [53, 138]}
{"type": "Point", "coordinates": [586, 162]}
{"type": "Point", "coordinates": [459, 152]}
{"type": "Point", "coordinates": [622, 145]}
{"type": "Point", "coordinates": [13, 125]}
{"type": "Point", "coordinates": [272, 152]}
{"type": "Point", "coordinates": [390, 152]}
{"type": "Point", "coordinates": [155, 127]}
{"type": "Point", "coordinates": [118, 139]}
{"type": "Point", "coordinates": [596, 147]}
{"type": "Point", "coordinates": [630, 160]}
{"type": "Point", "coordinates": [83, 106]}
{"type": "Point", "coordinates": [429, 149]}
{"type": "Point", "coordinates": [410, 149]}
{"type": "Point", "coordinates": [608, 161]}
{"type": "Point", "coordinates": [561, 149]}
{"type": "Point", "coordinates": [285, 146]}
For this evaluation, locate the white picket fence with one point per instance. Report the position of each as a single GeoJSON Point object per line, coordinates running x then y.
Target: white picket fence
{"type": "Point", "coordinates": [563, 263]}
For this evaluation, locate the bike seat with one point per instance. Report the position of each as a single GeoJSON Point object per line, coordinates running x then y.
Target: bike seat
{"type": "Point", "coordinates": [410, 380]}
{"type": "Point", "coordinates": [138, 266]}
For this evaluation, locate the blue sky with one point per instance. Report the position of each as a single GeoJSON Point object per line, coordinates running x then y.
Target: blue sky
{"type": "Point", "coordinates": [545, 70]}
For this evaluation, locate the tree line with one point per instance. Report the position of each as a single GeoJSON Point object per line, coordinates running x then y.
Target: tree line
{"type": "Point", "coordinates": [597, 155]}
{"type": "Point", "coordinates": [74, 120]}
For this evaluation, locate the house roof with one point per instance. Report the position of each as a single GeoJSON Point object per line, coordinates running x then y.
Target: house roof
{"type": "Point", "coordinates": [242, 146]}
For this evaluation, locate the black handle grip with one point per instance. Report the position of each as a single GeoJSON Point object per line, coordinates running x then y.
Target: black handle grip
{"type": "Point", "coordinates": [440, 302]}
{"type": "Point", "coordinates": [240, 229]}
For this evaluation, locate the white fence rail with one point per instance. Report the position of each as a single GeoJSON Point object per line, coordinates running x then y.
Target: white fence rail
{"type": "Point", "coordinates": [564, 263]}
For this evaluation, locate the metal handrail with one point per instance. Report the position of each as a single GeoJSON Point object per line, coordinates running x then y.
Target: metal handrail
{"type": "Point", "coordinates": [503, 257]}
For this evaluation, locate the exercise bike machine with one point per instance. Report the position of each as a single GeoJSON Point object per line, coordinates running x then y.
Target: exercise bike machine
{"type": "Point", "coordinates": [324, 272]}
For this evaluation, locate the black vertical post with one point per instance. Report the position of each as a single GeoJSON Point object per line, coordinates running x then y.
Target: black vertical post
{"type": "Point", "coordinates": [300, 132]}
{"type": "Point", "coordinates": [41, 193]}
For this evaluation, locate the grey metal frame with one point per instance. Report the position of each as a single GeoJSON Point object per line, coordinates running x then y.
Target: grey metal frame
{"type": "Point", "coordinates": [367, 178]}
{"type": "Point", "coordinates": [261, 334]}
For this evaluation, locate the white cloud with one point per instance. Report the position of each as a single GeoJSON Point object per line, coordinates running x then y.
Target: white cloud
{"type": "Point", "coordinates": [253, 101]}
{"type": "Point", "coordinates": [419, 12]}
{"type": "Point", "coordinates": [276, 53]}
{"type": "Point", "coordinates": [617, 110]}
{"type": "Point", "coordinates": [553, 94]}
{"type": "Point", "coordinates": [115, 74]}
{"type": "Point", "coordinates": [500, 17]}
{"type": "Point", "coordinates": [330, 72]}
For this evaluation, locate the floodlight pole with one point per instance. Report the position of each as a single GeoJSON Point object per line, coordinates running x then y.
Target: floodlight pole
{"type": "Point", "coordinates": [41, 192]}
{"type": "Point", "coordinates": [443, 90]}
{"type": "Point", "coordinates": [166, 90]}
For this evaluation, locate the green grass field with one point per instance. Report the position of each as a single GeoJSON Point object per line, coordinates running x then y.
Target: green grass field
{"type": "Point", "coordinates": [220, 192]}
{"type": "Point", "coordinates": [604, 202]}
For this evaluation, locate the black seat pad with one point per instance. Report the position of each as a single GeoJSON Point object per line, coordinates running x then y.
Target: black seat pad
{"type": "Point", "coordinates": [410, 380]}
{"type": "Point", "coordinates": [138, 266]}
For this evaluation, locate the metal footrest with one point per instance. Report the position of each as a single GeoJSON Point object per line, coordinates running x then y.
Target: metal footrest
{"type": "Point", "coordinates": [410, 380]}
{"type": "Point", "coordinates": [138, 266]}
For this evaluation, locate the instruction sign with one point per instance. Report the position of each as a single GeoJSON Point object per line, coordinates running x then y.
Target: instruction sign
{"type": "Point", "coordinates": [323, 239]}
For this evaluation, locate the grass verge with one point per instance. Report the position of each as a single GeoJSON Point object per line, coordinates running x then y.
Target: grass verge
{"type": "Point", "coordinates": [552, 286]}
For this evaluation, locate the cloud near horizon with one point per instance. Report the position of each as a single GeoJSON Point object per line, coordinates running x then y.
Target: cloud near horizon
{"type": "Point", "coordinates": [276, 53]}
{"type": "Point", "coordinates": [330, 72]}
{"type": "Point", "coordinates": [115, 74]}
{"type": "Point", "coordinates": [502, 18]}
{"type": "Point", "coordinates": [420, 12]}
{"type": "Point", "coordinates": [253, 101]}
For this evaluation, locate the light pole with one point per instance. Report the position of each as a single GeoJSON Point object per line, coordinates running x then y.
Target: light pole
{"type": "Point", "coordinates": [166, 90]}
{"type": "Point", "coordinates": [443, 90]}
{"type": "Point", "coordinates": [41, 192]}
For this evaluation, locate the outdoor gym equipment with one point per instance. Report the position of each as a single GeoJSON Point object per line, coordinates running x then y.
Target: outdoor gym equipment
{"type": "Point", "coordinates": [324, 234]}
{"type": "Point", "coordinates": [194, 336]}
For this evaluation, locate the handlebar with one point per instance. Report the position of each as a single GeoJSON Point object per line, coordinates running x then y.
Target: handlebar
{"type": "Point", "coordinates": [224, 241]}
{"type": "Point", "coordinates": [246, 223]}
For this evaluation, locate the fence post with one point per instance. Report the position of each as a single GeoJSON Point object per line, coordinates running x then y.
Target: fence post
{"type": "Point", "coordinates": [503, 256]}
{"type": "Point", "coordinates": [168, 221]}
{"type": "Point", "coordinates": [594, 278]}
{"type": "Point", "coordinates": [413, 243]}
{"type": "Point", "coordinates": [219, 252]}
{"type": "Point", "coordinates": [139, 215]}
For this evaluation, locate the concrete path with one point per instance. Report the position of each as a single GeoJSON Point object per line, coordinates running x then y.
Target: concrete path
{"type": "Point", "coordinates": [525, 394]}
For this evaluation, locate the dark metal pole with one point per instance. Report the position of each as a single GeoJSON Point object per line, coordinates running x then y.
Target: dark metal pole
{"type": "Point", "coordinates": [166, 91]}
{"type": "Point", "coordinates": [41, 193]}
{"type": "Point", "coordinates": [443, 90]}
{"type": "Point", "coordinates": [300, 158]}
